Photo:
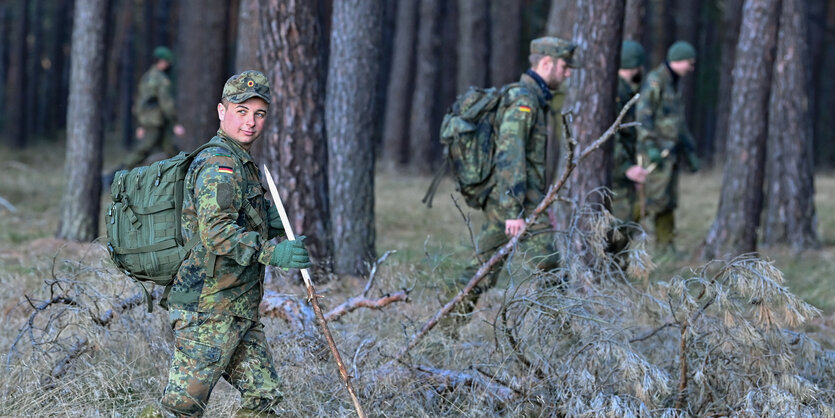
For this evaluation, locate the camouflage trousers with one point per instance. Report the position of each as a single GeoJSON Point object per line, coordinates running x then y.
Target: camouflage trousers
{"type": "Point", "coordinates": [155, 137]}
{"type": "Point", "coordinates": [209, 346]}
{"type": "Point", "coordinates": [536, 245]}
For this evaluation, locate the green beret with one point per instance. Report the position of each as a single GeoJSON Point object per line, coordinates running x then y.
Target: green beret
{"type": "Point", "coordinates": [163, 53]}
{"type": "Point", "coordinates": [241, 87]}
{"type": "Point", "coordinates": [555, 47]}
{"type": "Point", "coordinates": [681, 51]}
{"type": "Point", "coordinates": [632, 55]}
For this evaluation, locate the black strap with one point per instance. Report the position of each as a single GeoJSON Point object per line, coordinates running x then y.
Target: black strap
{"type": "Point", "coordinates": [433, 187]}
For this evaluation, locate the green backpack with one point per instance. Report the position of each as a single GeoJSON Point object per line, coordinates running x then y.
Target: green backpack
{"type": "Point", "coordinates": [467, 140]}
{"type": "Point", "coordinates": [143, 222]}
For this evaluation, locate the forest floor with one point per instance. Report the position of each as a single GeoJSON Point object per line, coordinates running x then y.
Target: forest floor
{"type": "Point", "coordinates": [429, 243]}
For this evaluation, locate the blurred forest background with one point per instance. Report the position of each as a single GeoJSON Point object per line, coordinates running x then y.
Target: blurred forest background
{"type": "Point", "coordinates": [359, 88]}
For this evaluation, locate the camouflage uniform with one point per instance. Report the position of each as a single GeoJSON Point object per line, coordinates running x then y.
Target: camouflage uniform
{"type": "Point", "coordinates": [519, 173]}
{"type": "Point", "coordinates": [155, 112]}
{"type": "Point", "coordinates": [625, 203]}
{"type": "Point", "coordinates": [214, 298]}
{"type": "Point", "coordinates": [660, 110]}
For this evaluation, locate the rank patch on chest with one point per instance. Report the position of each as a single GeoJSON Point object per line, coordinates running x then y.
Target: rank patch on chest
{"type": "Point", "coordinates": [225, 170]}
{"type": "Point", "coordinates": [525, 109]}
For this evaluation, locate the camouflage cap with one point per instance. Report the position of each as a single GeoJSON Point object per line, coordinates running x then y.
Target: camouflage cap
{"type": "Point", "coordinates": [163, 53]}
{"type": "Point", "coordinates": [555, 47]}
{"type": "Point", "coordinates": [246, 85]}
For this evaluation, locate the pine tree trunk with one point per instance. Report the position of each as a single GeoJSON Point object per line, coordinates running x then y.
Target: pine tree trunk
{"type": "Point", "coordinates": [472, 44]}
{"type": "Point", "coordinates": [80, 203]}
{"type": "Point", "coordinates": [591, 96]}
{"type": "Point", "coordinates": [734, 231]}
{"type": "Point", "coordinates": [246, 52]}
{"type": "Point", "coordinates": [17, 132]}
{"type": "Point", "coordinates": [505, 40]}
{"type": "Point", "coordinates": [399, 91]}
{"type": "Point", "coordinates": [824, 100]}
{"type": "Point", "coordinates": [295, 145]}
{"type": "Point", "coordinates": [425, 94]}
{"type": "Point", "coordinates": [349, 116]}
{"type": "Point", "coordinates": [790, 207]}
{"type": "Point", "coordinates": [731, 22]}
{"type": "Point", "coordinates": [634, 18]}
{"type": "Point", "coordinates": [201, 68]}
{"type": "Point", "coordinates": [561, 19]}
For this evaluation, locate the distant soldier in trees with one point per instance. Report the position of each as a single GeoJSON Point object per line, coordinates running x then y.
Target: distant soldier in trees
{"type": "Point", "coordinates": [155, 112]}
{"type": "Point", "coordinates": [628, 174]}
{"type": "Point", "coordinates": [664, 139]}
{"type": "Point", "coordinates": [214, 298]}
{"type": "Point", "coordinates": [519, 173]}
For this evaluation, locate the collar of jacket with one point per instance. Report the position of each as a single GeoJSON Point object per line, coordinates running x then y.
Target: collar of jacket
{"type": "Point", "coordinates": [673, 74]}
{"type": "Point", "coordinates": [543, 87]}
{"type": "Point", "coordinates": [231, 145]}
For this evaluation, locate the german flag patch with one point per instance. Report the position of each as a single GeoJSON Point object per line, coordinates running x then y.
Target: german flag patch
{"type": "Point", "coordinates": [525, 109]}
{"type": "Point", "coordinates": [224, 169]}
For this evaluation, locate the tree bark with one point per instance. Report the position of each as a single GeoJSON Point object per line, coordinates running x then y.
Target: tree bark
{"type": "Point", "coordinates": [824, 92]}
{"type": "Point", "coordinates": [473, 50]}
{"type": "Point", "coordinates": [249, 29]}
{"type": "Point", "coordinates": [790, 208]}
{"type": "Point", "coordinates": [591, 96]}
{"type": "Point", "coordinates": [634, 16]}
{"type": "Point", "coordinates": [505, 41]}
{"type": "Point", "coordinates": [80, 204]}
{"type": "Point", "coordinates": [349, 117]}
{"type": "Point", "coordinates": [295, 145]}
{"type": "Point", "coordinates": [425, 95]}
{"type": "Point", "coordinates": [201, 68]}
{"type": "Point", "coordinates": [731, 21]}
{"type": "Point", "coordinates": [734, 231]}
{"type": "Point", "coordinates": [16, 131]}
{"type": "Point", "coordinates": [561, 19]}
{"type": "Point", "coordinates": [399, 91]}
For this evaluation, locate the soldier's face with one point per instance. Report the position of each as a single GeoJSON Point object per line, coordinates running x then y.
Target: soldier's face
{"type": "Point", "coordinates": [244, 121]}
{"type": "Point", "coordinates": [560, 72]}
{"type": "Point", "coordinates": [683, 67]}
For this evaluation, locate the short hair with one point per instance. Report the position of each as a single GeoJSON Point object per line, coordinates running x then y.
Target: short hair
{"type": "Point", "coordinates": [535, 58]}
{"type": "Point", "coordinates": [224, 101]}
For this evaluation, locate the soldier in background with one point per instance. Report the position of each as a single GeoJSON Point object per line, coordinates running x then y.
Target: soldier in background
{"type": "Point", "coordinates": [628, 175]}
{"type": "Point", "coordinates": [155, 111]}
{"type": "Point", "coordinates": [519, 173]}
{"type": "Point", "coordinates": [664, 139]}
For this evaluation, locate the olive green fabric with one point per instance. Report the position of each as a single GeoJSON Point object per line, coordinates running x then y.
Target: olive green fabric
{"type": "Point", "coordinates": [680, 51]}
{"type": "Point", "coordinates": [155, 138]}
{"type": "Point", "coordinates": [557, 48]}
{"type": "Point", "coordinates": [154, 104]}
{"type": "Point", "coordinates": [632, 55]}
{"type": "Point", "coordinates": [143, 220]}
{"type": "Point", "coordinates": [625, 196]}
{"type": "Point", "coordinates": [248, 84]}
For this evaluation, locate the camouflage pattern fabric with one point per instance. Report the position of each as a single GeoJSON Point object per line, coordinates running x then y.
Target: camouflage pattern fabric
{"type": "Point", "coordinates": [520, 154]}
{"type": "Point", "coordinates": [557, 48]}
{"type": "Point", "coordinates": [155, 137]}
{"type": "Point", "coordinates": [246, 85]}
{"type": "Point", "coordinates": [154, 105]}
{"type": "Point", "coordinates": [625, 198]}
{"type": "Point", "coordinates": [660, 110]}
{"type": "Point", "coordinates": [208, 346]}
{"type": "Point", "coordinates": [224, 202]}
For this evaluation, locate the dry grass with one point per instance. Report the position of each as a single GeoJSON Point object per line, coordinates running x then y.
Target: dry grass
{"type": "Point", "coordinates": [571, 337]}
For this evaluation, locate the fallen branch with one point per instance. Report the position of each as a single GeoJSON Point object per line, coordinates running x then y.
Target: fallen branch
{"type": "Point", "coordinates": [357, 302]}
{"type": "Point", "coordinates": [5, 203]}
{"type": "Point", "coordinates": [447, 380]}
{"type": "Point", "coordinates": [301, 317]}
{"type": "Point", "coordinates": [506, 249]}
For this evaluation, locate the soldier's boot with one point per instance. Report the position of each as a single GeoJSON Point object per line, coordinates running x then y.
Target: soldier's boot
{"type": "Point", "coordinates": [665, 234]}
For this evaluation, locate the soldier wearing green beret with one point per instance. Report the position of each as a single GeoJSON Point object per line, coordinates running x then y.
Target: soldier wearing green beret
{"type": "Point", "coordinates": [155, 112]}
{"type": "Point", "coordinates": [519, 158]}
{"type": "Point", "coordinates": [664, 140]}
{"type": "Point", "coordinates": [627, 173]}
{"type": "Point", "coordinates": [213, 301]}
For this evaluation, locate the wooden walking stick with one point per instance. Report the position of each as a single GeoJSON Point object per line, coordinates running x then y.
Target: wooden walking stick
{"type": "Point", "coordinates": [313, 297]}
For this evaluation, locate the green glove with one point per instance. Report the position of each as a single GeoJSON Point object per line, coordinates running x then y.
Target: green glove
{"type": "Point", "coordinates": [291, 254]}
{"type": "Point", "coordinates": [274, 220]}
{"type": "Point", "coordinates": [654, 156]}
{"type": "Point", "coordinates": [694, 162]}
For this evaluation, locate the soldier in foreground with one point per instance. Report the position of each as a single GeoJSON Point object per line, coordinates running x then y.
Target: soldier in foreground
{"type": "Point", "coordinates": [664, 139]}
{"type": "Point", "coordinates": [520, 155]}
{"type": "Point", "coordinates": [213, 302]}
{"type": "Point", "coordinates": [155, 112]}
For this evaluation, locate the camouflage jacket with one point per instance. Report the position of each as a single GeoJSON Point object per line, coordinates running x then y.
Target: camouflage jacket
{"type": "Point", "coordinates": [154, 103]}
{"type": "Point", "coordinates": [520, 149]}
{"type": "Point", "coordinates": [626, 138]}
{"type": "Point", "coordinates": [660, 110]}
{"type": "Point", "coordinates": [224, 203]}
